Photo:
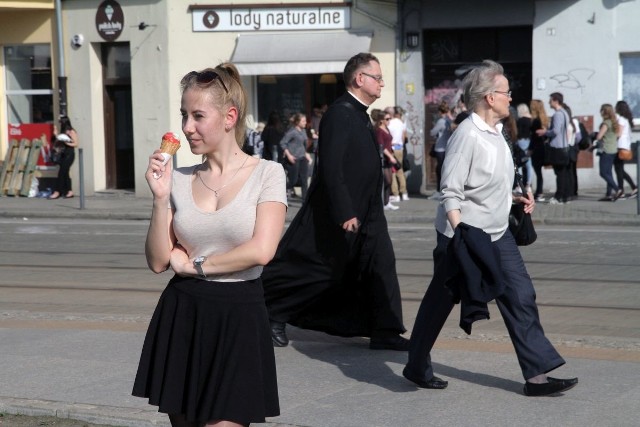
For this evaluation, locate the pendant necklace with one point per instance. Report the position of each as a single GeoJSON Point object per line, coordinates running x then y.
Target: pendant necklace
{"type": "Point", "coordinates": [227, 183]}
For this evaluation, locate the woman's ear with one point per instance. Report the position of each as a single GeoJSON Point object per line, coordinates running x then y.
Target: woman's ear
{"type": "Point", "coordinates": [231, 118]}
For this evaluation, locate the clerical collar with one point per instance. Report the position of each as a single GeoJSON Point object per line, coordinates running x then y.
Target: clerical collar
{"type": "Point", "coordinates": [358, 99]}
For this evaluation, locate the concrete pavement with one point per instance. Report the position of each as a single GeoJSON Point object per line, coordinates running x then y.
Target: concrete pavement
{"type": "Point", "coordinates": [87, 373]}
{"type": "Point", "coordinates": [116, 204]}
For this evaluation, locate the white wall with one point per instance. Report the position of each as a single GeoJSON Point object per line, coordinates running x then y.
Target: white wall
{"type": "Point", "coordinates": [581, 59]}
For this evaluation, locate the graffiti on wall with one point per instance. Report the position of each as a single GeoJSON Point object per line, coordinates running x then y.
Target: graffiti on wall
{"type": "Point", "coordinates": [413, 133]}
{"type": "Point", "coordinates": [574, 79]}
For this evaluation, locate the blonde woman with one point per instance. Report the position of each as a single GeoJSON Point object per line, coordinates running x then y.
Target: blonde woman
{"type": "Point", "coordinates": [608, 135]}
{"type": "Point", "coordinates": [539, 120]}
{"type": "Point", "coordinates": [207, 358]}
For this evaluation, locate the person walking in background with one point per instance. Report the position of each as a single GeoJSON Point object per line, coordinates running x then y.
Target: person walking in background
{"type": "Point", "coordinates": [557, 135]}
{"type": "Point", "coordinates": [441, 131]}
{"type": "Point", "coordinates": [539, 121]}
{"type": "Point", "coordinates": [383, 137]}
{"type": "Point", "coordinates": [625, 122]}
{"type": "Point", "coordinates": [297, 159]}
{"type": "Point", "coordinates": [523, 125]}
{"type": "Point", "coordinates": [572, 128]}
{"type": "Point", "coordinates": [207, 356]}
{"type": "Point", "coordinates": [335, 268]}
{"type": "Point", "coordinates": [271, 137]}
{"type": "Point", "coordinates": [398, 131]}
{"type": "Point", "coordinates": [608, 135]}
{"type": "Point", "coordinates": [65, 144]}
{"type": "Point", "coordinates": [477, 180]}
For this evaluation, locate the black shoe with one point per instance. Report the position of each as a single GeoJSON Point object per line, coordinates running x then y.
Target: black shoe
{"type": "Point", "coordinates": [395, 342]}
{"type": "Point", "coordinates": [434, 383]}
{"type": "Point", "coordinates": [278, 334]}
{"type": "Point", "coordinates": [554, 386]}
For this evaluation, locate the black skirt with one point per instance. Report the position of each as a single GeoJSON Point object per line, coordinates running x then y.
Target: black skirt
{"type": "Point", "coordinates": [208, 353]}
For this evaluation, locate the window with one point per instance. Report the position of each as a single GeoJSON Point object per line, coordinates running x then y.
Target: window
{"type": "Point", "coordinates": [630, 64]}
{"type": "Point", "coordinates": [28, 82]}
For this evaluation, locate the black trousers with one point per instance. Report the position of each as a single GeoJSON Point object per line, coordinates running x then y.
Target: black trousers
{"type": "Point", "coordinates": [622, 175]}
{"type": "Point", "coordinates": [298, 173]}
{"type": "Point", "coordinates": [563, 183]}
{"type": "Point", "coordinates": [63, 181]}
{"type": "Point", "coordinates": [517, 305]}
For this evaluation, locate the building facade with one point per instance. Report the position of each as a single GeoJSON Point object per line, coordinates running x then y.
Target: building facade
{"type": "Point", "coordinates": [123, 61]}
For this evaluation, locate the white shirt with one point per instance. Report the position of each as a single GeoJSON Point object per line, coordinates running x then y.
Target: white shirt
{"type": "Point", "coordinates": [396, 129]}
{"type": "Point", "coordinates": [624, 141]}
{"type": "Point", "coordinates": [477, 176]}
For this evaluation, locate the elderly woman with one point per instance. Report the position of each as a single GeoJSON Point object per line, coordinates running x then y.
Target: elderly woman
{"type": "Point", "coordinates": [477, 179]}
{"type": "Point", "coordinates": [207, 358]}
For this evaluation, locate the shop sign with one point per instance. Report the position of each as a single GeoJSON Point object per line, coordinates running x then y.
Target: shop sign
{"type": "Point", "coordinates": [285, 18]}
{"type": "Point", "coordinates": [109, 20]}
{"type": "Point", "coordinates": [31, 131]}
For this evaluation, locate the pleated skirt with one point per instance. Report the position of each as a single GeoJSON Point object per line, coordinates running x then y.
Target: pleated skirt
{"type": "Point", "coordinates": [208, 353]}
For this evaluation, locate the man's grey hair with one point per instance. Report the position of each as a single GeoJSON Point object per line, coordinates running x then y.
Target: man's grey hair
{"type": "Point", "coordinates": [480, 81]}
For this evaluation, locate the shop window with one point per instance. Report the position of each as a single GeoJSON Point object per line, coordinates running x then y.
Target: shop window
{"type": "Point", "coordinates": [450, 53]}
{"type": "Point", "coordinates": [29, 96]}
{"type": "Point", "coordinates": [631, 83]}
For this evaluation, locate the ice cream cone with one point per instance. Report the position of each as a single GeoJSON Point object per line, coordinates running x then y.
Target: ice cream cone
{"type": "Point", "coordinates": [169, 147]}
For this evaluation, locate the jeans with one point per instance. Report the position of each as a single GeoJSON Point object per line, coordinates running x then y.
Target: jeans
{"type": "Point", "coordinates": [621, 175]}
{"type": "Point", "coordinates": [527, 172]}
{"type": "Point", "coordinates": [298, 172]}
{"type": "Point", "coordinates": [606, 172]}
{"type": "Point", "coordinates": [563, 183]}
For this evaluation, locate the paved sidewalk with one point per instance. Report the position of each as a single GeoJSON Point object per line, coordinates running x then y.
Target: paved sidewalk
{"type": "Point", "coordinates": [325, 381]}
{"type": "Point", "coordinates": [585, 210]}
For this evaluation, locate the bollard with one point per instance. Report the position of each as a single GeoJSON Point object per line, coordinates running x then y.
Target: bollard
{"type": "Point", "coordinates": [81, 176]}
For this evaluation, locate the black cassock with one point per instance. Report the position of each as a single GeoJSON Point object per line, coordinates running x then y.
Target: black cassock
{"type": "Point", "coordinates": [324, 278]}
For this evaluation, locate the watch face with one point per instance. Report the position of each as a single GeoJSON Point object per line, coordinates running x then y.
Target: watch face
{"type": "Point", "coordinates": [199, 260]}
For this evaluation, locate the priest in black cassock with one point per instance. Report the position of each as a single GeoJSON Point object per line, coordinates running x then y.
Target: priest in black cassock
{"type": "Point", "coordinates": [335, 269]}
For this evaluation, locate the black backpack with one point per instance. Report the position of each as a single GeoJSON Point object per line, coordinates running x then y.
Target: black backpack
{"type": "Point", "coordinates": [585, 138]}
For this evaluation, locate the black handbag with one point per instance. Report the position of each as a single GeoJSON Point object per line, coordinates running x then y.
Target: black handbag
{"type": "Point", "coordinates": [520, 222]}
{"type": "Point", "coordinates": [556, 156]}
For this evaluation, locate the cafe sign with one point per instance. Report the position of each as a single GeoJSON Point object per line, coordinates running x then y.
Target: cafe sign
{"type": "Point", "coordinates": [109, 20]}
{"type": "Point", "coordinates": [281, 17]}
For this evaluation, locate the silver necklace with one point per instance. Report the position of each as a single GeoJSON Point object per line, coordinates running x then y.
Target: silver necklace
{"type": "Point", "coordinates": [227, 183]}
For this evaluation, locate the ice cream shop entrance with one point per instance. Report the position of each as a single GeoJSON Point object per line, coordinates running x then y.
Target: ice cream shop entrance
{"type": "Point", "coordinates": [118, 117]}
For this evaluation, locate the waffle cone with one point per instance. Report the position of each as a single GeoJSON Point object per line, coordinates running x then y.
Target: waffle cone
{"type": "Point", "coordinates": [170, 143]}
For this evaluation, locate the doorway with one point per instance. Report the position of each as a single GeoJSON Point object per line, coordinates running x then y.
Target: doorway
{"type": "Point", "coordinates": [118, 116]}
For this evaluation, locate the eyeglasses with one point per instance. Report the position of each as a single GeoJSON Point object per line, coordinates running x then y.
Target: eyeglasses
{"type": "Point", "coordinates": [507, 93]}
{"type": "Point", "coordinates": [379, 79]}
{"type": "Point", "coordinates": [206, 77]}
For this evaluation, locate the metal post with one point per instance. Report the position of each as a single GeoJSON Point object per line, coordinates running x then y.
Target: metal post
{"type": "Point", "coordinates": [637, 176]}
{"type": "Point", "coordinates": [62, 80]}
{"type": "Point", "coordinates": [81, 176]}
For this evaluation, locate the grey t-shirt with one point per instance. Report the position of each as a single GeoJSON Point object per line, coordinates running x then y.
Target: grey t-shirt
{"type": "Point", "coordinates": [477, 177]}
{"type": "Point", "coordinates": [210, 233]}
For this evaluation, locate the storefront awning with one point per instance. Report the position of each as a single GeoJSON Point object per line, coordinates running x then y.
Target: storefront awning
{"type": "Point", "coordinates": [297, 53]}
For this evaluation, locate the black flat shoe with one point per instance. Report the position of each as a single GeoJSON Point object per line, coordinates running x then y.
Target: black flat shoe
{"type": "Point", "coordinates": [554, 386]}
{"type": "Point", "coordinates": [395, 342]}
{"type": "Point", "coordinates": [434, 383]}
{"type": "Point", "coordinates": [278, 334]}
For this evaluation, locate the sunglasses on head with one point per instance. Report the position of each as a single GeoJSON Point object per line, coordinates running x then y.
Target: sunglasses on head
{"type": "Point", "coordinates": [207, 77]}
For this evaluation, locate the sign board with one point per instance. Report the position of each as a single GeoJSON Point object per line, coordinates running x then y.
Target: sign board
{"type": "Point", "coordinates": [284, 18]}
{"type": "Point", "coordinates": [34, 131]}
{"type": "Point", "coordinates": [109, 20]}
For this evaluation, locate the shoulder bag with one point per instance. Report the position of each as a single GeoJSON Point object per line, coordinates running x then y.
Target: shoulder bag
{"type": "Point", "coordinates": [520, 222]}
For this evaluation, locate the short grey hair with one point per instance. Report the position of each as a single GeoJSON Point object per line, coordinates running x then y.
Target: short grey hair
{"type": "Point", "coordinates": [480, 81]}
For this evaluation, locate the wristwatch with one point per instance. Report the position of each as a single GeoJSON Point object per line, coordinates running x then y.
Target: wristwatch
{"type": "Point", "coordinates": [197, 263]}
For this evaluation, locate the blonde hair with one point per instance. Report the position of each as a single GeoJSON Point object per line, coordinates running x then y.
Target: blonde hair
{"type": "Point", "coordinates": [608, 112]}
{"type": "Point", "coordinates": [226, 89]}
{"type": "Point", "coordinates": [523, 110]}
{"type": "Point", "coordinates": [538, 112]}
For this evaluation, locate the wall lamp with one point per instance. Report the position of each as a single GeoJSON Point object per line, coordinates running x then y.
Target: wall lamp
{"type": "Point", "coordinates": [412, 39]}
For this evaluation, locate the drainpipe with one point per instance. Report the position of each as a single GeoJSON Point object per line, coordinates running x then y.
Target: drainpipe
{"type": "Point", "coordinates": [62, 78]}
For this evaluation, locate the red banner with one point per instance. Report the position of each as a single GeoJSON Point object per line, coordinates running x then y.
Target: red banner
{"type": "Point", "coordinates": [34, 131]}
